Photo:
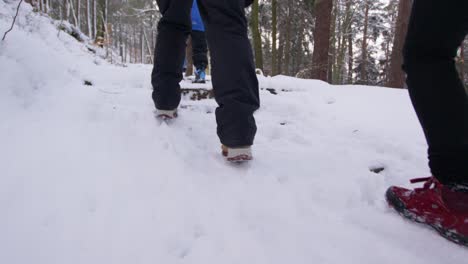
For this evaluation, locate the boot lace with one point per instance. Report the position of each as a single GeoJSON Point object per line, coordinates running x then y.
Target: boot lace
{"type": "Point", "coordinates": [429, 183]}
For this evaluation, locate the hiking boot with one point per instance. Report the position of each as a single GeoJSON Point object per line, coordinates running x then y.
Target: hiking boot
{"type": "Point", "coordinates": [200, 76]}
{"type": "Point", "coordinates": [166, 114]}
{"type": "Point", "coordinates": [239, 154]}
{"type": "Point", "coordinates": [434, 205]}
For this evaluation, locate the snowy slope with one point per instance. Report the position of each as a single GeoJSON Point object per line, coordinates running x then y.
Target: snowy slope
{"type": "Point", "coordinates": [88, 176]}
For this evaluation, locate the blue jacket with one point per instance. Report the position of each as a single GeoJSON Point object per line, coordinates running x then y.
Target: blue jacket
{"type": "Point", "coordinates": [197, 22]}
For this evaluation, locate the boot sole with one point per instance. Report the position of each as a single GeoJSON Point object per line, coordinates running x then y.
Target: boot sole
{"type": "Point", "coordinates": [240, 159]}
{"type": "Point", "coordinates": [165, 117]}
{"type": "Point", "coordinates": [399, 206]}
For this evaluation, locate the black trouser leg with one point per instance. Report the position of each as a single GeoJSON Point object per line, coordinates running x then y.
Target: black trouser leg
{"type": "Point", "coordinates": [173, 29]}
{"type": "Point", "coordinates": [234, 80]}
{"type": "Point", "coordinates": [199, 49]}
{"type": "Point", "coordinates": [436, 30]}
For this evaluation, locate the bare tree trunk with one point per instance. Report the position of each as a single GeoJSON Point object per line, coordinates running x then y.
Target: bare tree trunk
{"type": "Point", "coordinates": [364, 44]}
{"type": "Point", "coordinates": [142, 45]}
{"type": "Point", "coordinates": [88, 18]}
{"type": "Point", "coordinates": [95, 18]}
{"type": "Point", "coordinates": [274, 52]}
{"type": "Point", "coordinates": [280, 53]}
{"type": "Point", "coordinates": [288, 37]}
{"type": "Point", "coordinates": [332, 46]}
{"type": "Point", "coordinates": [387, 62]}
{"type": "Point", "coordinates": [109, 33]}
{"type": "Point", "coordinates": [63, 9]}
{"type": "Point", "coordinates": [189, 57]}
{"type": "Point", "coordinates": [338, 61]}
{"type": "Point", "coordinates": [148, 46]}
{"type": "Point", "coordinates": [61, 12]}
{"type": "Point", "coordinates": [298, 54]}
{"type": "Point", "coordinates": [68, 10]}
{"type": "Point", "coordinates": [106, 31]}
{"type": "Point", "coordinates": [78, 12]}
{"type": "Point", "coordinates": [125, 50]}
{"type": "Point", "coordinates": [257, 39]}
{"type": "Point", "coordinates": [135, 47]}
{"type": "Point", "coordinates": [121, 46]}
{"type": "Point", "coordinates": [75, 19]}
{"type": "Point", "coordinates": [397, 77]}
{"type": "Point", "coordinates": [350, 58]}
{"type": "Point", "coordinates": [323, 10]}
{"type": "Point", "coordinates": [345, 32]}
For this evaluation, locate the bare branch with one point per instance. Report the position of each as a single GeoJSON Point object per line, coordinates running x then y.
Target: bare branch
{"type": "Point", "coordinates": [14, 20]}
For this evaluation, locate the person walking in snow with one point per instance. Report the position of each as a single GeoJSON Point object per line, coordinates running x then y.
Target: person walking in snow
{"type": "Point", "coordinates": [436, 30]}
{"type": "Point", "coordinates": [199, 45]}
{"type": "Point", "coordinates": [234, 79]}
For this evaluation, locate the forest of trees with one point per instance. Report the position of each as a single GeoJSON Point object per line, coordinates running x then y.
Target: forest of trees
{"type": "Point", "coordinates": [338, 41]}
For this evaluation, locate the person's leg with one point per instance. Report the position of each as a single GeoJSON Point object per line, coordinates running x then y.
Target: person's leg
{"type": "Point", "coordinates": [234, 80]}
{"type": "Point", "coordinates": [437, 28]}
{"type": "Point", "coordinates": [199, 49]}
{"type": "Point", "coordinates": [173, 29]}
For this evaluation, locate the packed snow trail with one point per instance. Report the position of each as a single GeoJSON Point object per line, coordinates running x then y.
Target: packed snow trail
{"type": "Point", "coordinates": [87, 175]}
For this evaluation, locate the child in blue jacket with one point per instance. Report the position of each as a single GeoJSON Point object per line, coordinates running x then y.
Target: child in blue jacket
{"type": "Point", "coordinates": [199, 45]}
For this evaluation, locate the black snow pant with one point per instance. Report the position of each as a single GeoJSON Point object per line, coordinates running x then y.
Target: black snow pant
{"type": "Point", "coordinates": [234, 80]}
{"type": "Point", "coordinates": [436, 30]}
{"type": "Point", "coordinates": [199, 49]}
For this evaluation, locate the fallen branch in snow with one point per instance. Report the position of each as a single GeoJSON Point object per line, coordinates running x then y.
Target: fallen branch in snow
{"type": "Point", "coordinates": [14, 20]}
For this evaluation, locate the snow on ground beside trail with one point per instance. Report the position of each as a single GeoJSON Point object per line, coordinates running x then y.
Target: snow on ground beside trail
{"type": "Point", "coordinates": [87, 175]}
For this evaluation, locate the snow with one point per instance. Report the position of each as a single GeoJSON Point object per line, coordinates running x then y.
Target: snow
{"type": "Point", "coordinates": [87, 175]}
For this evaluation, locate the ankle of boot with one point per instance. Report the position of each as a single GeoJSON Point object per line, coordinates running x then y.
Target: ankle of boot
{"type": "Point", "coordinates": [456, 201]}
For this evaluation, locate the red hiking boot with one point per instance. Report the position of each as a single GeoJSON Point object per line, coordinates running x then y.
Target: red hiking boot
{"type": "Point", "coordinates": [434, 205]}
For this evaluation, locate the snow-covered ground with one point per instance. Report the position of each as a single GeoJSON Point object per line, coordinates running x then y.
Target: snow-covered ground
{"type": "Point", "coordinates": [87, 175]}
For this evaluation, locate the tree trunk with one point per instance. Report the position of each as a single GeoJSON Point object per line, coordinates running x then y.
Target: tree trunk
{"type": "Point", "coordinates": [257, 39]}
{"type": "Point", "coordinates": [189, 58]}
{"type": "Point", "coordinates": [364, 44]}
{"type": "Point", "coordinates": [288, 37]}
{"type": "Point", "coordinates": [345, 34]}
{"type": "Point", "coordinates": [333, 49]}
{"type": "Point", "coordinates": [142, 45]}
{"type": "Point", "coordinates": [88, 18]}
{"type": "Point", "coordinates": [67, 11]}
{"type": "Point", "coordinates": [73, 13]}
{"type": "Point", "coordinates": [95, 16]}
{"type": "Point", "coordinates": [78, 13]}
{"type": "Point", "coordinates": [148, 46]}
{"type": "Point", "coordinates": [61, 12]}
{"type": "Point", "coordinates": [397, 77]}
{"type": "Point", "coordinates": [280, 53]}
{"type": "Point", "coordinates": [323, 11]}
{"type": "Point", "coordinates": [274, 52]}
{"type": "Point", "coordinates": [121, 47]}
